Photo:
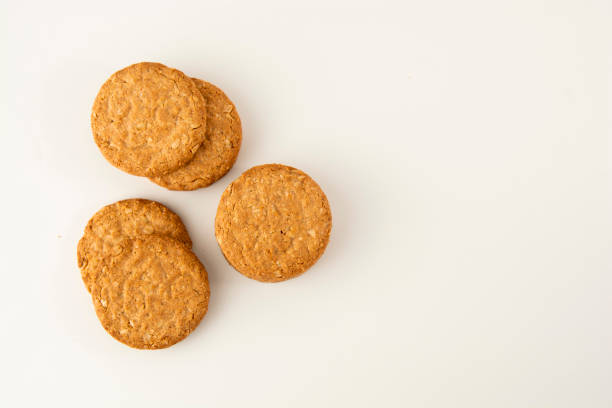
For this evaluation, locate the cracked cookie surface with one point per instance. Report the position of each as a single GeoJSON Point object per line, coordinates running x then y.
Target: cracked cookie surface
{"type": "Point", "coordinates": [273, 223]}
{"type": "Point", "coordinates": [107, 232]}
{"type": "Point", "coordinates": [154, 295]}
{"type": "Point", "coordinates": [148, 119]}
{"type": "Point", "coordinates": [218, 152]}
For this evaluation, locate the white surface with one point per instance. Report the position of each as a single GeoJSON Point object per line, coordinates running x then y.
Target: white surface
{"type": "Point", "coordinates": [465, 150]}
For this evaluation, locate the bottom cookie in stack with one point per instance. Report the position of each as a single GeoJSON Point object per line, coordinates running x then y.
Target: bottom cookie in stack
{"type": "Point", "coordinates": [108, 229]}
{"type": "Point", "coordinates": [217, 154]}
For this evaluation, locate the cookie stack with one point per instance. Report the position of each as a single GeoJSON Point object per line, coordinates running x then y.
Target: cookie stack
{"type": "Point", "coordinates": [148, 288]}
{"type": "Point", "coordinates": [273, 223]}
{"type": "Point", "coordinates": [154, 121]}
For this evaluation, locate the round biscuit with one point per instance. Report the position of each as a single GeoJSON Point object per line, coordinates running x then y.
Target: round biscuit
{"type": "Point", "coordinates": [148, 119]}
{"type": "Point", "coordinates": [107, 231]}
{"type": "Point", "coordinates": [154, 294]}
{"type": "Point", "coordinates": [273, 223]}
{"type": "Point", "coordinates": [217, 154]}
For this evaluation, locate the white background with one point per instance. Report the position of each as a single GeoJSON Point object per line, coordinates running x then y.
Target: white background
{"type": "Point", "coordinates": [465, 148]}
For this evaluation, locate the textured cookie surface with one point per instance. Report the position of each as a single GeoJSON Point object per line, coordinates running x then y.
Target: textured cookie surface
{"type": "Point", "coordinates": [148, 119]}
{"type": "Point", "coordinates": [109, 229]}
{"type": "Point", "coordinates": [273, 222]}
{"type": "Point", "coordinates": [217, 154]}
{"type": "Point", "coordinates": [154, 295]}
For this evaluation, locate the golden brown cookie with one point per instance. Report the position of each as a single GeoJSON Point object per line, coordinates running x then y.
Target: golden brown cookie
{"type": "Point", "coordinates": [273, 223]}
{"type": "Point", "coordinates": [154, 295]}
{"type": "Point", "coordinates": [148, 119]}
{"type": "Point", "coordinates": [108, 230]}
{"type": "Point", "coordinates": [217, 154]}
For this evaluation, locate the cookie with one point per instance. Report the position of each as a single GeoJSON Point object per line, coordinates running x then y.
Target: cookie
{"type": "Point", "coordinates": [273, 223]}
{"type": "Point", "coordinates": [217, 154]}
{"type": "Point", "coordinates": [148, 119]}
{"type": "Point", "coordinates": [154, 295]}
{"type": "Point", "coordinates": [107, 231]}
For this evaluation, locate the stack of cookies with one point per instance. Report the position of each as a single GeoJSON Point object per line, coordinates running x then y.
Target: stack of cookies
{"type": "Point", "coordinates": [154, 121]}
{"type": "Point", "coordinates": [148, 288]}
{"type": "Point", "coordinates": [273, 223]}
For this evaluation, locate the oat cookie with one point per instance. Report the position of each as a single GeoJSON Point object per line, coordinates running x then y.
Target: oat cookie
{"type": "Point", "coordinates": [148, 119]}
{"type": "Point", "coordinates": [217, 154]}
{"type": "Point", "coordinates": [273, 223]}
{"type": "Point", "coordinates": [154, 295]}
{"type": "Point", "coordinates": [108, 230]}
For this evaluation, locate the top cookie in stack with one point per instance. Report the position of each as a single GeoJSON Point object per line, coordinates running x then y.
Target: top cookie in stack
{"type": "Point", "coordinates": [154, 121]}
